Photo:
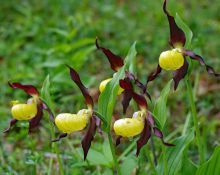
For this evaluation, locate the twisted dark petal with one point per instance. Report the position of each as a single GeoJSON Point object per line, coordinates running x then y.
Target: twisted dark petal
{"type": "Point", "coordinates": [50, 113]}
{"type": "Point", "coordinates": [139, 99]}
{"type": "Point", "coordinates": [60, 137]}
{"type": "Point", "coordinates": [180, 74]}
{"type": "Point", "coordinates": [198, 58]}
{"type": "Point", "coordinates": [34, 122]}
{"type": "Point", "coordinates": [177, 36]}
{"type": "Point", "coordinates": [153, 75]}
{"type": "Point", "coordinates": [150, 119]}
{"type": "Point", "coordinates": [87, 139]}
{"type": "Point", "coordinates": [118, 141]}
{"type": "Point", "coordinates": [12, 123]}
{"type": "Point", "coordinates": [115, 61]}
{"type": "Point", "coordinates": [131, 77]}
{"type": "Point", "coordinates": [29, 89]}
{"type": "Point", "coordinates": [159, 134]}
{"type": "Point", "coordinates": [75, 77]}
{"type": "Point", "coordinates": [126, 98]}
{"type": "Point", "coordinates": [145, 136]}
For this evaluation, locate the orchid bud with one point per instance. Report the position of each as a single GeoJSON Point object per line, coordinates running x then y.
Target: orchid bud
{"type": "Point", "coordinates": [68, 123]}
{"type": "Point", "coordinates": [105, 82]}
{"type": "Point", "coordinates": [171, 59]}
{"type": "Point", "coordinates": [24, 111]}
{"type": "Point", "coordinates": [128, 127]}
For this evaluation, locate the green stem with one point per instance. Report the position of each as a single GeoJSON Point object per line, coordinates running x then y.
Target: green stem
{"type": "Point", "coordinates": [116, 165]}
{"type": "Point", "coordinates": [165, 160]}
{"type": "Point", "coordinates": [195, 120]}
{"type": "Point", "coordinates": [55, 148]}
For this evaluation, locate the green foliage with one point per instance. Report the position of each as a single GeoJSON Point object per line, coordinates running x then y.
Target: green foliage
{"type": "Point", "coordinates": [160, 107]}
{"type": "Point", "coordinates": [212, 165]}
{"type": "Point", "coordinates": [175, 154]}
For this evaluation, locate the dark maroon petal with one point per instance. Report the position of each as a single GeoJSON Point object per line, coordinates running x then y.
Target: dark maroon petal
{"type": "Point", "coordinates": [87, 139]}
{"type": "Point", "coordinates": [131, 77]}
{"type": "Point", "coordinates": [126, 98]}
{"type": "Point", "coordinates": [177, 36]}
{"type": "Point", "coordinates": [115, 60]}
{"type": "Point", "coordinates": [150, 119]}
{"type": "Point", "coordinates": [12, 123]}
{"type": "Point", "coordinates": [50, 113]}
{"type": "Point", "coordinates": [34, 122]}
{"type": "Point", "coordinates": [159, 134]}
{"type": "Point", "coordinates": [154, 74]}
{"type": "Point", "coordinates": [118, 140]}
{"type": "Point", "coordinates": [139, 99]}
{"type": "Point", "coordinates": [145, 136]}
{"type": "Point", "coordinates": [75, 77]}
{"type": "Point", "coordinates": [180, 74]}
{"type": "Point", "coordinates": [60, 137]}
{"type": "Point", "coordinates": [29, 89]}
{"type": "Point", "coordinates": [201, 61]}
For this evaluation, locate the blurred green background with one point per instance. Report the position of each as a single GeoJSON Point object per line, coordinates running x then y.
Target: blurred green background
{"type": "Point", "coordinates": [38, 38]}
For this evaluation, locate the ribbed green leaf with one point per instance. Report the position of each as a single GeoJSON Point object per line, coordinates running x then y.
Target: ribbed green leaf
{"type": "Point", "coordinates": [212, 166]}
{"type": "Point", "coordinates": [45, 91]}
{"type": "Point", "coordinates": [175, 154]}
{"type": "Point", "coordinates": [160, 108]}
{"type": "Point", "coordinates": [107, 98]}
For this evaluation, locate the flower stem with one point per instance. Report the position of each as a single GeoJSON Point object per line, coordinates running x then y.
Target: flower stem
{"type": "Point", "coordinates": [165, 160]}
{"type": "Point", "coordinates": [55, 148]}
{"type": "Point", "coordinates": [195, 120]}
{"type": "Point", "coordinates": [116, 165]}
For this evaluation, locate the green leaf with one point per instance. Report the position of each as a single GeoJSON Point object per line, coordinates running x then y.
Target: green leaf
{"type": "Point", "coordinates": [128, 166]}
{"type": "Point", "coordinates": [175, 154]}
{"type": "Point", "coordinates": [107, 98]}
{"type": "Point", "coordinates": [160, 108]}
{"type": "Point", "coordinates": [212, 166]}
{"type": "Point", "coordinates": [188, 167]}
{"type": "Point", "coordinates": [185, 28]}
{"type": "Point", "coordinates": [45, 91]}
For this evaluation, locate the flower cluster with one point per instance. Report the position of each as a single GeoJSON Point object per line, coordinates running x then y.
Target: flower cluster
{"type": "Point", "coordinates": [142, 122]}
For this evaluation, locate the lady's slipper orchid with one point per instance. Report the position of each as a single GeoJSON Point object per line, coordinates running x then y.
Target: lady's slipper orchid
{"type": "Point", "coordinates": [141, 123]}
{"type": "Point", "coordinates": [116, 63]}
{"type": "Point", "coordinates": [69, 123]}
{"type": "Point", "coordinates": [31, 111]}
{"type": "Point", "coordinates": [175, 59]}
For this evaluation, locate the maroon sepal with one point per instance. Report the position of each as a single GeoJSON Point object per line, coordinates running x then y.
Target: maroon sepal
{"type": "Point", "coordinates": [126, 98]}
{"type": "Point", "coordinates": [198, 58]}
{"type": "Point", "coordinates": [60, 137]}
{"type": "Point", "coordinates": [46, 108]}
{"type": "Point", "coordinates": [76, 78]}
{"type": "Point", "coordinates": [12, 123]}
{"type": "Point", "coordinates": [34, 122]}
{"type": "Point", "coordinates": [131, 77]}
{"type": "Point", "coordinates": [145, 136]}
{"type": "Point", "coordinates": [98, 124]}
{"type": "Point", "coordinates": [87, 139]}
{"type": "Point", "coordinates": [153, 75]}
{"type": "Point", "coordinates": [159, 134]}
{"type": "Point", "coordinates": [150, 119]}
{"type": "Point", "coordinates": [177, 36]}
{"type": "Point", "coordinates": [180, 74]}
{"type": "Point", "coordinates": [115, 61]}
{"type": "Point", "coordinates": [118, 140]}
{"type": "Point", "coordinates": [29, 89]}
{"type": "Point", "coordinates": [139, 99]}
